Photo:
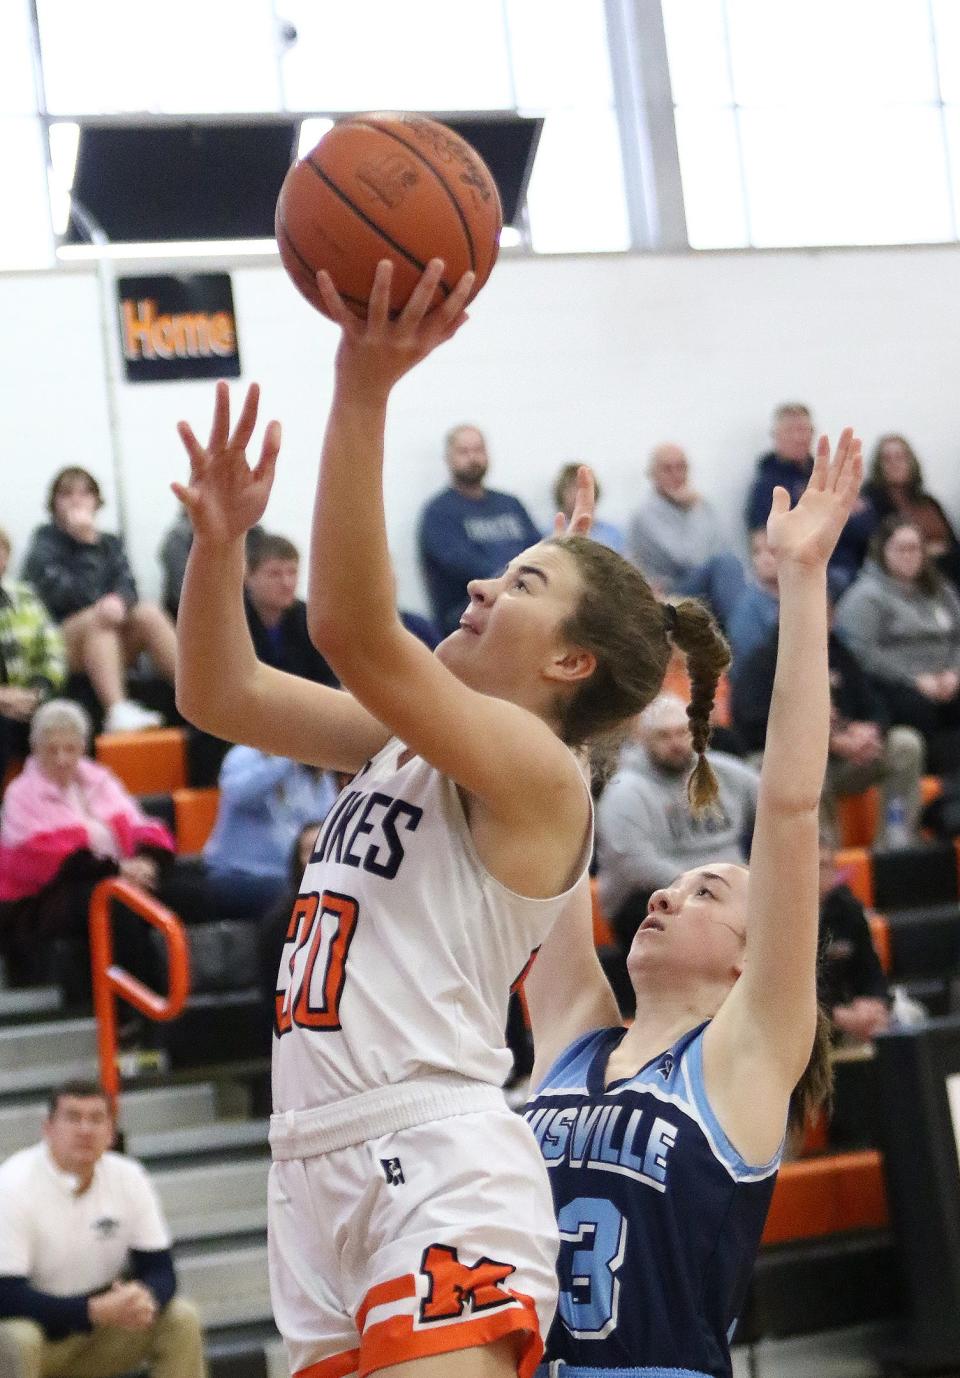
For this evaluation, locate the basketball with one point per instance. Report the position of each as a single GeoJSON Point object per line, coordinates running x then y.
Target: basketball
{"type": "Point", "coordinates": [387, 186]}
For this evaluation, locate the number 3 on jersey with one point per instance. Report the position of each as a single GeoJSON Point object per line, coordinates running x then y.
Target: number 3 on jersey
{"type": "Point", "coordinates": [314, 961]}
{"type": "Point", "coordinates": [593, 1241]}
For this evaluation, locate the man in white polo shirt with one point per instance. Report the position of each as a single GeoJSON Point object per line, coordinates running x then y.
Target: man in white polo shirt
{"type": "Point", "coordinates": [86, 1273]}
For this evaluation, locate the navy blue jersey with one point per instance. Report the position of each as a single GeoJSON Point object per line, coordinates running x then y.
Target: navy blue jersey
{"type": "Point", "coordinates": [660, 1218]}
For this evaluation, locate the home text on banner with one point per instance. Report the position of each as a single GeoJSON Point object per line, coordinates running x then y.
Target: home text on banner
{"type": "Point", "coordinates": [178, 327]}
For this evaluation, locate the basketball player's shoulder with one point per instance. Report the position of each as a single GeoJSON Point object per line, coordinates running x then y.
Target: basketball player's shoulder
{"type": "Point", "coordinates": [569, 1070]}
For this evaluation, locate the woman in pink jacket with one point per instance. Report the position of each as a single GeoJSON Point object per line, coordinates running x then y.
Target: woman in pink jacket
{"type": "Point", "coordinates": [66, 822]}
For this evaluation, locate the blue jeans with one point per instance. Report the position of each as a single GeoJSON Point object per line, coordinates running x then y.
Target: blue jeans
{"type": "Point", "coordinates": [241, 894]}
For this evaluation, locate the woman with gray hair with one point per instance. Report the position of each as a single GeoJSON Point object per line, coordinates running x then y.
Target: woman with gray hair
{"type": "Point", "coordinates": [65, 823]}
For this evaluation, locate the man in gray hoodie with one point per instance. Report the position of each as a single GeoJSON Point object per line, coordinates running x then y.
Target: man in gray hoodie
{"type": "Point", "coordinates": [647, 834]}
{"type": "Point", "coordinates": [676, 539]}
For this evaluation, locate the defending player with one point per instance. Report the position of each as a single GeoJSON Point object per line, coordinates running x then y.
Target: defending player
{"type": "Point", "coordinates": [410, 1213]}
{"type": "Point", "coordinates": [663, 1140]}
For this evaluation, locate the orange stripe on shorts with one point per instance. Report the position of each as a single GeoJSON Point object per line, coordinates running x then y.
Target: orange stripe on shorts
{"type": "Point", "coordinates": [395, 1340]}
{"type": "Point", "coordinates": [336, 1366]}
{"type": "Point", "coordinates": [395, 1289]}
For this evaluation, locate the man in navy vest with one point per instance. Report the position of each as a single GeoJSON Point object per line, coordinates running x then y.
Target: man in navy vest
{"type": "Point", "coordinates": [468, 531]}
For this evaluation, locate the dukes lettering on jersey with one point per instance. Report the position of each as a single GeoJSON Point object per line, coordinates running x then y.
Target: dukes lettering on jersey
{"type": "Point", "coordinates": [367, 829]}
{"type": "Point", "coordinates": [609, 1138]}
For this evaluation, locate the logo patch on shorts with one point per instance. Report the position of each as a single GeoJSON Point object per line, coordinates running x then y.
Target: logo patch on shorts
{"type": "Point", "coordinates": [453, 1284]}
{"type": "Point", "coordinates": [392, 1171]}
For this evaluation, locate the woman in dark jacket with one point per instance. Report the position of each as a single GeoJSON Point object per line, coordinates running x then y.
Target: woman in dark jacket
{"type": "Point", "coordinates": [895, 487]}
{"type": "Point", "coordinates": [85, 580]}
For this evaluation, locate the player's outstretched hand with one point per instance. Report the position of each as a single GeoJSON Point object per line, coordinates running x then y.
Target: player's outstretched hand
{"type": "Point", "coordinates": [581, 518]}
{"type": "Point", "coordinates": [376, 352]}
{"type": "Point", "coordinates": [225, 497]}
{"type": "Point", "coordinates": [807, 534]}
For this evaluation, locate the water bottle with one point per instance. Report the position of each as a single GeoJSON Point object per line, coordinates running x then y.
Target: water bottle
{"type": "Point", "coordinates": [897, 832]}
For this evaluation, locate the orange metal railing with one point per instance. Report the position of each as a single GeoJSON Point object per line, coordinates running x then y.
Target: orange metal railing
{"type": "Point", "coordinates": [110, 981]}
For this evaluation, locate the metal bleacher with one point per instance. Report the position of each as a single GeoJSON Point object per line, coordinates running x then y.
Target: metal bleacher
{"type": "Point", "coordinates": [207, 1155]}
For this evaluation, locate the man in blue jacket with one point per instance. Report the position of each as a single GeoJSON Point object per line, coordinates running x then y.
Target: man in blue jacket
{"type": "Point", "coordinates": [788, 465]}
{"type": "Point", "coordinates": [468, 531]}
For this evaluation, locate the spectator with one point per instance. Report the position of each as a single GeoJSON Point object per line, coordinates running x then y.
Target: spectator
{"type": "Point", "coordinates": [264, 802]}
{"type": "Point", "coordinates": [675, 538]}
{"type": "Point", "coordinates": [789, 465]}
{"type": "Point", "coordinates": [468, 531]}
{"type": "Point", "coordinates": [901, 619]}
{"type": "Point", "coordinates": [32, 660]}
{"type": "Point", "coordinates": [174, 551]}
{"type": "Point", "coordinates": [87, 1284]}
{"type": "Point", "coordinates": [421, 627]}
{"type": "Point", "coordinates": [83, 576]}
{"type": "Point", "coordinates": [564, 498]}
{"type": "Point", "coordinates": [864, 749]}
{"type": "Point", "coordinates": [276, 921]}
{"type": "Point", "coordinates": [895, 487]}
{"type": "Point", "coordinates": [277, 618]}
{"type": "Point", "coordinates": [757, 611]}
{"type": "Point", "coordinates": [67, 822]}
{"type": "Point", "coordinates": [647, 834]}
{"type": "Point", "coordinates": [850, 980]}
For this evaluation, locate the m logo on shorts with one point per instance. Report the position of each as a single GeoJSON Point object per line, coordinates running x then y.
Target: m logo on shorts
{"type": "Point", "coordinates": [452, 1284]}
{"type": "Point", "coordinates": [392, 1171]}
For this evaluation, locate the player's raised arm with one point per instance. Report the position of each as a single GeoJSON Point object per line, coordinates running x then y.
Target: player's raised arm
{"type": "Point", "coordinates": [566, 989]}
{"type": "Point", "coordinates": [492, 747]}
{"type": "Point", "coordinates": [221, 685]}
{"type": "Point", "coordinates": [758, 1044]}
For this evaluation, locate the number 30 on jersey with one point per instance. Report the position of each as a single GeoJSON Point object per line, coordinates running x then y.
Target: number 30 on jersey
{"type": "Point", "coordinates": [314, 962]}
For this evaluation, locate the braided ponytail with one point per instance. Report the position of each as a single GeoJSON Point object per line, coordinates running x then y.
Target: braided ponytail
{"type": "Point", "coordinates": [696, 634]}
{"type": "Point", "coordinates": [813, 1093]}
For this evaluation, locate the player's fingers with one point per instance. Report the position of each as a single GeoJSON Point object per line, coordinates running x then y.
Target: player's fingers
{"type": "Point", "coordinates": [451, 330]}
{"type": "Point", "coordinates": [780, 503]}
{"type": "Point", "coordinates": [454, 306]}
{"type": "Point", "coordinates": [418, 303]}
{"type": "Point", "coordinates": [821, 464]}
{"type": "Point", "coordinates": [185, 496]}
{"type": "Point", "coordinates": [378, 305]}
{"type": "Point", "coordinates": [840, 456]}
{"type": "Point", "coordinates": [332, 301]}
{"type": "Point", "coordinates": [193, 448]}
{"type": "Point", "coordinates": [247, 419]}
{"type": "Point", "coordinates": [849, 480]}
{"type": "Point", "coordinates": [585, 499]}
{"type": "Point", "coordinates": [269, 451]}
{"type": "Point", "coordinates": [220, 427]}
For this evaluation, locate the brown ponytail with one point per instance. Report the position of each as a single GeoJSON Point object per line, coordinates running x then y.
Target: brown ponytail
{"type": "Point", "coordinates": [813, 1093]}
{"type": "Point", "coordinates": [707, 654]}
{"type": "Point", "coordinates": [629, 631]}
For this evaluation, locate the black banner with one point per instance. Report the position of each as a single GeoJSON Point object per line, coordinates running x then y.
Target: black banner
{"type": "Point", "coordinates": [178, 327]}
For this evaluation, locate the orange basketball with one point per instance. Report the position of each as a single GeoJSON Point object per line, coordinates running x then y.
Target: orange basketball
{"type": "Point", "coordinates": [387, 186]}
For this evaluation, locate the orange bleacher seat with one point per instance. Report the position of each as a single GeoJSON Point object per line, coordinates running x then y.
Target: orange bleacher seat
{"type": "Point", "coordinates": [195, 812]}
{"type": "Point", "coordinates": [858, 817]}
{"type": "Point", "coordinates": [880, 935]}
{"type": "Point", "coordinates": [854, 869]}
{"type": "Point", "coordinates": [602, 932]}
{"type": "Point", "coordinates": [816, 1136]}
{"type": "Point", "coordinates": [815, 1197]}
{"type": "Point", "coordinates": [152, 762]}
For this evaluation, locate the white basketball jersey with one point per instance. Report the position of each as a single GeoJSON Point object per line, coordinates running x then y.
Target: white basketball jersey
{"type": "Point", "coordinates": [402, 949]}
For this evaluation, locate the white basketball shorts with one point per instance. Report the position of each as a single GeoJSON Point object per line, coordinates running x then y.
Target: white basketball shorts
{"type": "Point", "coordinates": [416, 1239]}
